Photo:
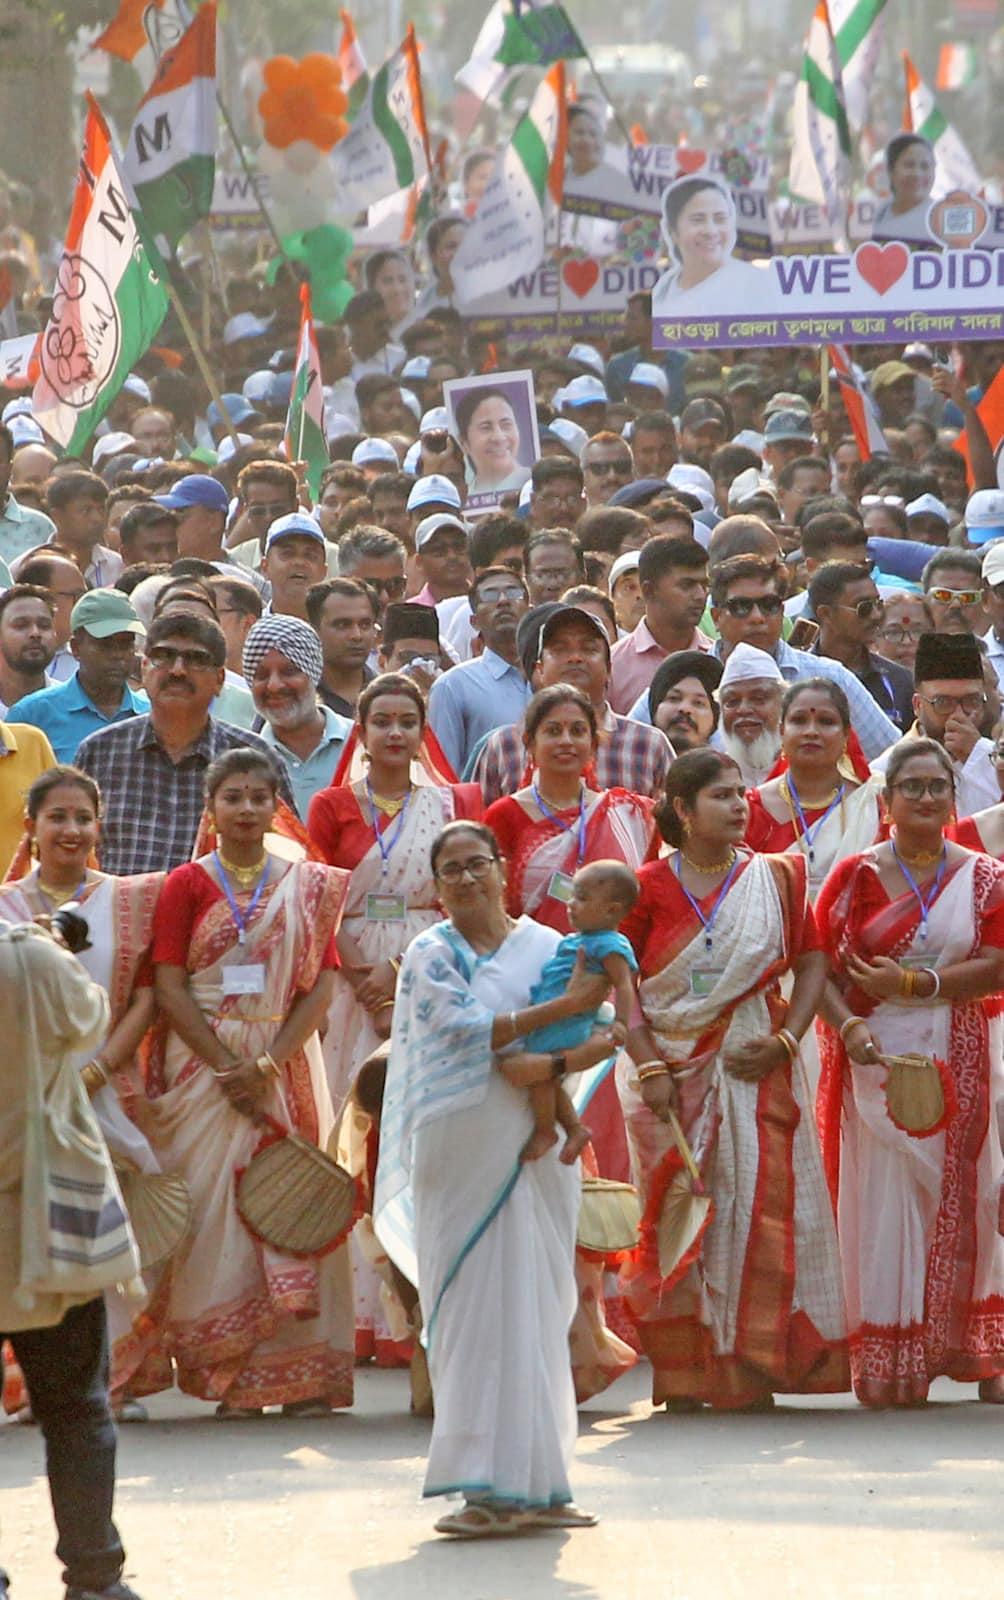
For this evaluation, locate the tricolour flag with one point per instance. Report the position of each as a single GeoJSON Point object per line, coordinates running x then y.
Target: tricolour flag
{"type": "Point", "coordinates": [862, 412]}
{"type": "Point", "coordinates": [170, 158]}
{"type": "Point", "coordinates": [387, 146]}
{"type": "Point", "coordinates": [821, 141]}
{"type": "Point", "coordinates": [505, 237]}
{"type": "Point", "coordinates": [305, 418]}
{"type": "Point", "coordinates": [355, 72]}
{"type": "Point", "coordinates": [142, 24]}
{"type": "Point", "coordinates": [858, 27]}
{"type": "Point", "coordinates": [954, 166]}
{"type": "Point", "coordinates": [108, 303]}
{"type": "Point", "coordinates": [518, 33]}
{"type": "Point", "coordinates": [956, 66]}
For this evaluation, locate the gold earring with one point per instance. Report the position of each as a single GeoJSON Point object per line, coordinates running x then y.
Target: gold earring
{"type": "Point", "coordinates": [686, 826]}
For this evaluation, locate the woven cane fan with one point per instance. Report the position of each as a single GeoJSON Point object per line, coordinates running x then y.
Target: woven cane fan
{"type": "Point", "coordinates": [608, 1216]}
{"type": "Point", "coordinates": [686, 1212]}
{"type": "Point", "coordinates": [160, 1212]}
{"type": "Point", "coordinates": [295, 1197]}
{"type": "Point", "coordinates": [914, 1093]}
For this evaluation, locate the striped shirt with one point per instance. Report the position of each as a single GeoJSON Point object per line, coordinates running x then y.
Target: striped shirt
{"type": "Point", "coordinates": [631, 756]}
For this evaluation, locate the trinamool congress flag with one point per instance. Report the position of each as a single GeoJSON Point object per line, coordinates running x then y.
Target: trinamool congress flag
{"type": "Point", "coordinates": [387, 146]}
{"type": "Point", "coordinates": [170, 158]}
{"type": "Point", "coordinates": [305, 419]}
{"type": "Point", "coordinates": [821, 140]}
{"type": "Point", "coordinates": [518, 33]}
{"type": "Point", "coordinates": [862, 412]}
{"type": "Point", "coordinates": [858, 27]}
{"type": "Point", "coordinates": [954, 166]}
{"type": "Point", "coordinates": [108, 302]}
{"type": "Point", "coordinates": [505, 238]}
{"type": "Point", "coordinates": [355, 72]}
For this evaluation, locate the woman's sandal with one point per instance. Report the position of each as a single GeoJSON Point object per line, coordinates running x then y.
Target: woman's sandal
{"type": "Point", "coordinates": [478, 1521]}
{"type": "Point", "coordinates": [566, 1516]}
{"type": "Point", "coordinates": [225, 1413]}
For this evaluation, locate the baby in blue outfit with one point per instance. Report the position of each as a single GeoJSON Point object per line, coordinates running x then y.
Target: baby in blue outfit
{"type": "Point", "coordinates": [602, 895]}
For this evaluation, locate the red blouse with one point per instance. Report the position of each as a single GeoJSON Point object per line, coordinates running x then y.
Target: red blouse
{"type": "Point", "coordinates": [187, 895]}
{"type": "Point", "coordinates": [344, 835]}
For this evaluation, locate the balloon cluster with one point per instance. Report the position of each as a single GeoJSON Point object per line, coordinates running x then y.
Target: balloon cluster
{"type": "Point", "coordinates": [303, 110]}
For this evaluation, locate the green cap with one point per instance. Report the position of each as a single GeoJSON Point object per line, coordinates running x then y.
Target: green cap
{"type": "Point", "coordinates": [102, 612]}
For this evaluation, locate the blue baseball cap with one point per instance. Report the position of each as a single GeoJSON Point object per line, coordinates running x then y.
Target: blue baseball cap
{"type": "Point", "coordinates": [238, 408]}
{"type": "Point", "coordinates": [198, 489]}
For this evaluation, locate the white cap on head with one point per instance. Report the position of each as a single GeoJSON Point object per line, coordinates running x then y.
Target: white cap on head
{"type": "Point", "coordinates": [687, 475]}
{"type": "Point", "coordinates": [584, 391]}
{"type": "Point", "coordinates": [226, 446]}
{"type": "Point", "coordinates": [745, 662]}
{"type": "Point", "coordinates": [138, 386]}
{"type": "Point", "coordinates": [110, 444]}
{"type": "Point", "coordinates": [649, 376]}
{"type": "Point", "coordinates": [430, 526]}
{"type": "Point", "coordinates": [748, 483]}
{"type": "Point", "coordinates": [587, 355]}
{"type": "Point", "coordinates": [432, 490]}
{"type": "Point", "coordinates": [628, 562]}
{"type": "Point", "coordinates": [570, 433]}
{"type": "Point", "coordinates": [929, 505]}
{"type": "Point", "coordinates": [993, 564]}
{"type": "Point", "coordinates": [369, 451]}
{"type": "Point", "coordinates": [436, 417]}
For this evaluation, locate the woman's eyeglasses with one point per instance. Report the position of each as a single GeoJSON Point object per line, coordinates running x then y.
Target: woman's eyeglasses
{"type": "Point", "coordinates": [897, 635]}
{"type": "Point", "coordinates": [874, 605]}
{"type": "Point", "coordinates": [476, 867]}
{"type": "Point", "coordinates": [916, 788]}
{"type": "Point", "coordinates": [742, 605]}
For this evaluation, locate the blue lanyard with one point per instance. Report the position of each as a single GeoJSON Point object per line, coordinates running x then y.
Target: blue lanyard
{"type": "Point", "coordinates": [386, 845]}
{"type": "Point", "coordinates": [708, 923]}
{"type": "Point", "coordinates": [564, 825]}
{"type": "Point", "coordinates": [892, 709]}
{"type": "Point", "coordinates": [925, 905]}
{"type": "Point", "coordinates": [809, 834]}
{"type": "Point", "coordinates": [239, 916]}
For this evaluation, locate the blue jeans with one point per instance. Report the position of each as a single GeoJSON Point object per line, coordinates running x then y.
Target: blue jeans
{"type": "Point", "coordinates": [66, 1371]}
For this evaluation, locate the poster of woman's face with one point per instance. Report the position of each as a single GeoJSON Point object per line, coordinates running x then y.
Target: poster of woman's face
{"type": "Point", "coordinates": [910, 170]}
{"type": "Point", "coordinates": [495, 419]}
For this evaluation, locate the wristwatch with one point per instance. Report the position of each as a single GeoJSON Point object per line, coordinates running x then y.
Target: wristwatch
{"type": "Point", "coordinates": [559, 1063]}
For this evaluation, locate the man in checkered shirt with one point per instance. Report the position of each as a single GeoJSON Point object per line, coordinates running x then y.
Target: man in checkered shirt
{"type": "Point", "coordinates": [560, 643]}
{"type": "Point", "coordinates": [151, 770]}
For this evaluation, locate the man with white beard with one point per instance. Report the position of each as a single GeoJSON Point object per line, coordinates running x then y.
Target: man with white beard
{"type": "Point", "coordinates": [750, 699]}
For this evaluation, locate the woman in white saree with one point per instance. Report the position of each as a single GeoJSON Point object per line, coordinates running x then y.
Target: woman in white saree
{"type": "Point", "coordinates": [754, 1308]}
{"type": "Point", "coordinates": [488, 1240]}
{"type": "Point", "coordinates": [914, 929]}
{"type": "Point", "coordinates": [243, 954]}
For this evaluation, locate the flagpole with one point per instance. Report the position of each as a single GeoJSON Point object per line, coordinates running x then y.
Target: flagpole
{"type": "Point", "coordinates": [200, 356]}
{"type": "Point", "coordinates": [824, 393]}
{"type": "Point", "coordinates": [249, 174]}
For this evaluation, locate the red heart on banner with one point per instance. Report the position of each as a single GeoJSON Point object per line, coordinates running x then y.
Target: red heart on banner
{"type": "Point", "coordinates": [881, 265]}
{"type": "Point", "coordinates": [580, 276]}
{"type": "Point", "coordinates": [690, 161]}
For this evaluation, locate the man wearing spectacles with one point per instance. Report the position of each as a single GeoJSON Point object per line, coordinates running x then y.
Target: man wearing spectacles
{"type": "Point", "coordinates": [849, 610]}
{"type": "Point", "coordinates": [557, 498]}
{"type": "Point", "coordinates": [953, 587]}
{"type": "Point", "coordinates": [950, 705]}
{"type": "Point", "coordinates": [489, 691]}
{"type": "Point", "coordinates": [151, 769]}
{"type": "Point", "coordinates": [992, 572]}
{"type": "Point", "coordinates": [607, 465]}
{"type": "Point", "coordinates": [747, 607]}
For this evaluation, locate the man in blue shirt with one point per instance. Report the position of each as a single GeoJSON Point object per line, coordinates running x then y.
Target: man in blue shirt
{"type": "Point", "coordinates": [21, 527]}
{"type": "Point", "coordinates": [490, 691]}
{"type": "Point", "coordinates": [283, 664]}
{"type": "Point", "coordinates": [104, 633]}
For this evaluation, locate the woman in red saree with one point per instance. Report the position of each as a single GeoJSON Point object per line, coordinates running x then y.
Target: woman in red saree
{"type": "Point", "coordinates": [914, 929]}
{"type": "Point", "coordinates": [243, 954]}
{"type": "Point", "coordinates": [548, 828]}
{"type": "Point", "coordinates": [755, 1308]}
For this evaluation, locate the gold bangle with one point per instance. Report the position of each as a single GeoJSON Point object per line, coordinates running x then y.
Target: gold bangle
{"type": "Point", "coordinates": [93, 1077]}
{"type": "Point", "coordinates": [652, 1069]}
{"type": "Point", "coordinates": [908, 983]}
{"type": "Point", "coordinates": [787, 1038]}
{"type": "Point", "coordinates": [267, 1064]}
{"type": "Point", "coordinates": [383, 1006]}
{"type": "Point", "coordinates": [848, 1024]}
{"type": "Point", "coordinates": [394, 962]}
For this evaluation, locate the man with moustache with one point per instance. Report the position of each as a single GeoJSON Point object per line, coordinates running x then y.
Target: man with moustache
{"type": "Point", "coordinates": [283, 663]}
{"type": "Point", "coordinates": [473, 698]}
{"type": "Point", "coordinates": [681, 700]}
{"type": "Point", "coordinates": [750, 695]}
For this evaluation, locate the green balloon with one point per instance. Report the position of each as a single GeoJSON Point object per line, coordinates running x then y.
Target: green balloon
{"type": "Point", "coordinates": [324, 251]}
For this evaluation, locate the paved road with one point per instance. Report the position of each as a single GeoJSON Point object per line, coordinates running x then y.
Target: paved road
{"type": "Point", "coordinates": [820, 1501]}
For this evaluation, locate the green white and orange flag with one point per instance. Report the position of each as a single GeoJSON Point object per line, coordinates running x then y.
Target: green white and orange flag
{"type": "Point", "coordinates": [954, 166]}
{"type": "Point", "coordinates": [305, 418]}
{"type": "Point", "coordinates": [858, 27]}
{"type": "Point", "coordinates": [355, 72]}
{"type": "Point", "coordinates": [956, 66]}
{"type": "Point", "coordinates": [108, 303]}
{"type": "Point", "coordinates": [505, 237]}
{"type": "Point", "coordinates": [387, 146]}
{"type": "Point", "coordinates": [170, 158]}
{"type": "Point", "coordinates": [821, 141]}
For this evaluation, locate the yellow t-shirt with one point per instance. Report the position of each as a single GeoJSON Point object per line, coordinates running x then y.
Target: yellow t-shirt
{"type": "Point", "coordinates": [25, 754]}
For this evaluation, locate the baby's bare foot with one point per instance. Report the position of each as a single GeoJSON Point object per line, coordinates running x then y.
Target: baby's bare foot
{"type": "Point", "coordinates": [539, 1143]}
{"type": "Point", "coordinates": [575, 1143]}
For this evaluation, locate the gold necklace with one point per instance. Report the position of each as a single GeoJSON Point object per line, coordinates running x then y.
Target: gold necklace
{"type": "Point", "coordinates": [925, 859]}
{"type": "Point", "coordinates": [719, 866]}
{"type": "Point", "coordinates": [390, 807]}
{"type": "Point", "coordinates": [817, 805]}
{"type": "Point", "coordinates": [60, 897]}
{"type": "Point", "coordinates": [244, 877]}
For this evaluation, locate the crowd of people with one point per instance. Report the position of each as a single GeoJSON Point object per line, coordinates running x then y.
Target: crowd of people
{"type": "Point", "coordinates": [369, 804]}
